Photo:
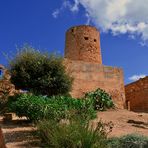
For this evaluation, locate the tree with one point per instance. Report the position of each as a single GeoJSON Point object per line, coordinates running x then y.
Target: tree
{"type": "Point", "coordinates": [39, 73]}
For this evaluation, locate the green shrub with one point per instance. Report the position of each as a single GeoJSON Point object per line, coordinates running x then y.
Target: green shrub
{"type": "Point", "coordinates": [77, 108]}
{"type": "Point", "coordinates": [128, 141]}
{"type": "Point", "coordinates": [113, 142]}
{"type": "Point", "coordinates": [72, 134]}
{"type": "Point", "coordinates": [27, 105]}
{"type": "Point", "coordinates": [101, 99]}
{"type": "Point", "coordinates": [56, 107]}
{"type": "Point", "coordinates": [134, 141]}
{"type": "Point", "coordinates": [40, 73]}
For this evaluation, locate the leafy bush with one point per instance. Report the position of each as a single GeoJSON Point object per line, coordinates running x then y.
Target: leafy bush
{"type": "Point", "coordinates": [113, 142]}
{"type": "Point", "coordinates": [56, 107]}
{"type": "Point", "coordinates": [76, 108]}
{"type": "Point", "coordinates": [102, 100]}
{"type": "Point", "coordinates": [72, 134]}
{"type": "Point", "coordinates": [41, 73]}
{"type": "Point", "coordinates": [133, 141]}
{"type": "Point", "coordinates": [27, 105]}
{"type": "Point", "coordinates": [128, 141]}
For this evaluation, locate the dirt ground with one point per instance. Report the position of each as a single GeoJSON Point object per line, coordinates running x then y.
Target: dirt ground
{"type": "Point", "coordinates": [20, 134]}
{"type": "Point", "coordinates": [125, 122]}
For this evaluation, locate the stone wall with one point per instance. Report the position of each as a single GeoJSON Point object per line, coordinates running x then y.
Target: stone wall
{"type": "Point", "coordinates": [137, 95]}
{"type": "Point", "coordinates": [6, 87]}
{"type": "Point", "coordinates": [90, 76]}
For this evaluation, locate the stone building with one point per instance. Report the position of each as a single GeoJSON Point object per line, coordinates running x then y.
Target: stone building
{"type": "Point", "coordinates": [137, 95]}
{"type": "Point", "coordinates": [84, 61]}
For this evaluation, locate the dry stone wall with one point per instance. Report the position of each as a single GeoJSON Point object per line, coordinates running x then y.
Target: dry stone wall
{"type": "Point", "coordinates": [137, 95]}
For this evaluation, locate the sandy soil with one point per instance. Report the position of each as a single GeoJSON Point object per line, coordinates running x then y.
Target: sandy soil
{"type": "Point", "coordinates": [21, 134]}
{"type": "Point", "coordinates": [125, 122]}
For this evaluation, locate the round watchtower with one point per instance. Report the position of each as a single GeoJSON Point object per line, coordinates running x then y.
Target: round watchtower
{"type": "Point", "coordinates": [83, 43]}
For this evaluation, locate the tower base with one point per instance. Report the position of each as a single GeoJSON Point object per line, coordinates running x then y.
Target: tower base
{"type": "Point", "coordinates": [90, 76]}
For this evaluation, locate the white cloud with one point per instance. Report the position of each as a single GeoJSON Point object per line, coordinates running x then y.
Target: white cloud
{"type": "Point", "coordinates": [136, 77]}
{"type": "Point", "coordinates": [56, 13]}
{"type": "Point", "coordinates": [73, 7]}
{"type": "Point", "coordinates": [88, 19]}
{"type": "Point", "coordinates": [117, 16]}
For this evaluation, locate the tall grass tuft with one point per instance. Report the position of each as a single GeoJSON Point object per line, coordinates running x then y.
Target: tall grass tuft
{"type": "Point", "coordinates": [72, 134]}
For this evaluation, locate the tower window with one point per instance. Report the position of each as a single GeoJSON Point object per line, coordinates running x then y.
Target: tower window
{"type": "Point", "coordinates": [95, 40]}
{"type": "Point", "coordinates": [86, 38]}
{"type": "Point", "coordinates": [72, 30]}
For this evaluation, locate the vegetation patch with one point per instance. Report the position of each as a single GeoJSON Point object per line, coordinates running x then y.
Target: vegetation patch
{"type": "Point", "coordinates": [129, 141]}
{"type": "Point", "coordinates": [101, 99]}
{"type": "Point", "coordinates": [40, 73]}
{"type": "Point", "coordinates": [72, 134]}
{"type": "Point", "coordinates": [56, 107]}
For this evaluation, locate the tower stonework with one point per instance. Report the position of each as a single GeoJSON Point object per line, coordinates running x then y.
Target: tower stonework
{"type": "Point", "coordinates": [84, 62]}
{"type": "Point", "coordinates": [83, 43]}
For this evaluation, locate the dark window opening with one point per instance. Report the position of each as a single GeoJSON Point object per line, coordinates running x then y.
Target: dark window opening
{"type": "Point", "coordinates": [1, 73]}
{"type": "Point", "coordinates": [86, 38]}
{"type": "Point", "coordinates": [72, 30]}
{"type": "Point", "coordinates": [128, 104]}
{"type": "Point", "coordinates": [95, 40]}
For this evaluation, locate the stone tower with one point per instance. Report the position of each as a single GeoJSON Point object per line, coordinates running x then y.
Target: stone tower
{"type": "Point", "coordinates": [83, 43]}
{"type": "Point", "coordinates": [83, 60]}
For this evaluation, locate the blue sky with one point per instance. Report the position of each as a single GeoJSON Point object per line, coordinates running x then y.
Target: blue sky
{"type": "Point", "coordinates": [43, 23]}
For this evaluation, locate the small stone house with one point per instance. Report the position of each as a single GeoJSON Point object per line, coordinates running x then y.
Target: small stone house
{"type": "Point", "coordinates": [137, 95]}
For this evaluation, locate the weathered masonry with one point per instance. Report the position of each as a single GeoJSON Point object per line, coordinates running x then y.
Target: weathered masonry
{"type": "Point", "coordinates": [84, 61]}
{"type": "Point", "coordinates": [6, 87]}
{"type": "Point", "coordinates": [137, 95]}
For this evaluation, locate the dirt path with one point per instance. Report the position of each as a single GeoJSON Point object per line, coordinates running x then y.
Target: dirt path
{"type": "Point", "coordinates": [125, 122]}
{"type": "Point", "coordinates": [21, 135]}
